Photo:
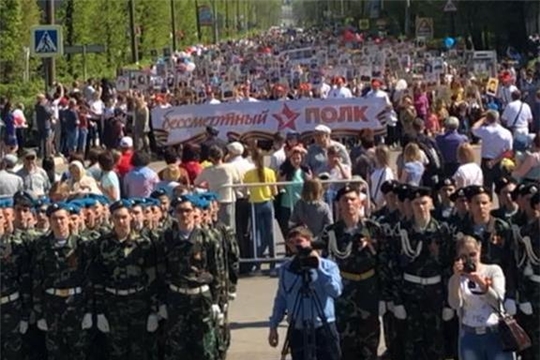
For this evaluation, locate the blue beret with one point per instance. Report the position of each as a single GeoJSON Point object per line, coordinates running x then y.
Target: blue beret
{"type": "Point", "coordinates": [56, 207]}
{"type": "Point", "coordinates": [3, 204]}
{"type": "Point", "coordinates": [142, 202]}
{"type": "Point", "coordinates": [89, 202]}
{"type": "Point", "coordinates": [75, 208]}
{"type": "Point", "coordinates": [122, 203]}
{"type": "Point", "coordinates": [9, 203]}
{"type": "Point", "coordinates": [202, 203]}
{"type": "Point", "coordinates": [43, 201]}
{"type": "Point", "coordinates": [184, 198]}
{"type": "Point", "coordinates": [210, 196]}
{"type": "Point", "coordinates": [158, 193]}
{"type": "Point", "coordinates": [23, 198]}
{"type": "Point", "coordinates": [153, 202]}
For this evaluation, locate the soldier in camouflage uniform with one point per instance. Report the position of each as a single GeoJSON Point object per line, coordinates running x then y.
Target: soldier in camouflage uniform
{"type": "Point", "coordinates": [388, 219]}
{"type": "Point", "coordinates": [42, 221]}
{"type": "Point", "coordinates": [164, 203]}
{"type": "Point", "coordinates": [352, 243]}
{"type": "Point", "coordinates": [445, 207]}
{"type": "Point", "coordinates": [15, 292]}
{"type": "Point", "coordinates": [124, 276]}
{"type": "Point", "coordinates": [61, 287]}
{"type": "Point", "coordinates": [188, 267]}
{"type": "Point", "coordinates": [419, 290]}
{"type": "Point", "coordinates": [508, 208]}
{"type": "Point", "coordinates": [497, 239]}
{"type": "Point", "coordinates": [529, 281]}
{"type": "Point", "coordinates": [19, 219]}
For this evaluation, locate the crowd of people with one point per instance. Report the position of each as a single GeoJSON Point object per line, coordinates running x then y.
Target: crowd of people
{"type": "Point", "coordinates": [112, 258]}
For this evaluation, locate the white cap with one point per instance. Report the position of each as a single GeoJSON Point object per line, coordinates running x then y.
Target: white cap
{"type": "Point", "coordinates": [235, 148]}
{"type": "Point", "coordinates": [323, 129]}
{"type": "Point", "coordinates": [126, 142]}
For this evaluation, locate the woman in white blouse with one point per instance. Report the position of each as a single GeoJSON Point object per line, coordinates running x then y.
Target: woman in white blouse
{"type": "Point", "coordinates": [474, 291]}
{"type": "Point", "coordinates": [468, 173]}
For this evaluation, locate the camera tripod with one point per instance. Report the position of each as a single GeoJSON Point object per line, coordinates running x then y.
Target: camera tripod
{"type": "Point", "coordinates": [309, 345]}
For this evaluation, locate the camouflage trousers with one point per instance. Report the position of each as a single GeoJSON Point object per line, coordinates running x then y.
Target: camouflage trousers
{"type": "Point", "coordinates": [423, 333]}
{"type": "Point", "coordinates": [190, 330]}
{"type": "Point", "coordinates": [65, 339]}
{"type": "Point", "coordinates": [11, 338]}
{"type": "Point", "coordinates": [393, 335]}
{"type": "Point", "coordinates": [358, 325]}
{"type": "Point", "coordinates": [128, 338]}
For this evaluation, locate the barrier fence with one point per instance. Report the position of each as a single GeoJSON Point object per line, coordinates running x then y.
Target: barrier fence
{"type": "Point", "coordinates": [254, 238]}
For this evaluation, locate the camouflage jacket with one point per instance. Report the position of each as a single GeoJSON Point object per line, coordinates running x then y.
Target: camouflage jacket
{"type": "Point", "coordinates": [423, 253]}
{"type": "Point", "coordinates": [15, 271]}
{"type": "Point", "coordinates": [188, 262]}
{"type": "Point", "coordinates": [123, 265]}
{"type": "Point", "coordinates": [60, 267]}
{"type": "Point", "coordinates": [528, 262]}
{"type": "Point", "coordinates": [231, 252]}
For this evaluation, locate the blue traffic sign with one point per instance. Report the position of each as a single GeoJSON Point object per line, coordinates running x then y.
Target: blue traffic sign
{"type": "Point", "coordinates": [46, 41]}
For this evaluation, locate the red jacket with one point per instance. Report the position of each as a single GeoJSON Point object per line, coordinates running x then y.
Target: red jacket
{"type": "Point", "coordinates": [124, 164]}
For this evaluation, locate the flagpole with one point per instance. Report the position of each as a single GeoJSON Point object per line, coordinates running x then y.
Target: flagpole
{"type": "Point", "coordinates": [407, 20]}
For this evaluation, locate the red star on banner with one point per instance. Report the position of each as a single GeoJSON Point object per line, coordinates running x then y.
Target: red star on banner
{"type": "Point", "coordinates": [286, 118]}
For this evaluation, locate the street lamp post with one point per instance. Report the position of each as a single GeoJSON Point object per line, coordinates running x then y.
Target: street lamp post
{"type": "Point", "coordinates": [173, 25]}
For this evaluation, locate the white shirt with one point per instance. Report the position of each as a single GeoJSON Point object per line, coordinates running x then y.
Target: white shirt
{"type": "Point", "coordinates": [495, 140]}
{"type": "Point", "coordinates": [505, 93]}
{"type": "Point", "coordinates": [277, 159]}
{"type": "Point", "coordinates": [513, 117]}
{"type": "Point", "coordinates": [213, 102]}
{"type": "Point", "coordinates": [242, 165]}
{"type": "Point", "coordinates": [340, 93]}
{"type": "Point", "coordinates": [379, 94]}
{"type": "Point", "coordinates": [469, 174]}
{"type": "Point", "coordinates": [324, 89]}
{"type": "Point", "coordinates": [97, 106]}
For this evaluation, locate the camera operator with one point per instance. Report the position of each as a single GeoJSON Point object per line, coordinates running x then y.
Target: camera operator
{"type": "Point", "coordinates": [324, 282]}
{"type": "Point", "coordinates": [474, 290]}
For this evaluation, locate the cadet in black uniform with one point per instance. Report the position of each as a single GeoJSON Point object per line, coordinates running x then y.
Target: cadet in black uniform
{"type": "Point", "coordinates": [508, 208]}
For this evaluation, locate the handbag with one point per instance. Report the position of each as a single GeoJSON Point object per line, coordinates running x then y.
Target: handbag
{"type": "Point", "coordinates": [513, 337]}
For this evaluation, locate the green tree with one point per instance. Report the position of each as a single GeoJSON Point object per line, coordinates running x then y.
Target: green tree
{"type": "Point", "coordinates": [10, 40]}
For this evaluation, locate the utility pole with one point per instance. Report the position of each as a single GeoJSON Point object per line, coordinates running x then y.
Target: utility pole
{"type": "Point", "coordinates": [173, 25]}
{"type": "Point", "coordinates": [49, 63]}
{"type": "Point", "coordinates": [133, 35]}
{"type": "Point", "coordinates": [215, 21]}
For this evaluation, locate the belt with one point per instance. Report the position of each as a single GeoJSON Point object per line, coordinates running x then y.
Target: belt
{"type": "Point", "coordinates": [64, 292]}
{"type": "Point", "coordinates": [480, 330]}
{"type": "Point", "coordinates": [535, 278]}
{"type": "Point", "coordinates": [422, 280]}
{"type": "Point", "coordinates": [9, 298]}
{"type": "Point", "coordinates": [358, 277]}
{"type": "Point", "coordinates": [124, 292]}
{"type": "Point", "coordinates": [189, 291]}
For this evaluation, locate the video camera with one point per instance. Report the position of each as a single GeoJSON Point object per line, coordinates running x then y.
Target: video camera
{"type": "Point", "coordinates": [304, 260]}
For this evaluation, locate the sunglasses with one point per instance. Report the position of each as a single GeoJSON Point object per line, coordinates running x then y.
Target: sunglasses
{"type": "Point", "coordinates": [30, 158]}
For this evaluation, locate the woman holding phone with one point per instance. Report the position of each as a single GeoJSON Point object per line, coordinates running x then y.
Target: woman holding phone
{"type": "Point", "coordinates": [475, 291]}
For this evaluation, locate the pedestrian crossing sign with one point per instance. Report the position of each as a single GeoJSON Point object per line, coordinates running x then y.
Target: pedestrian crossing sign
{"type": "Point", "coordinates": [46, 41]}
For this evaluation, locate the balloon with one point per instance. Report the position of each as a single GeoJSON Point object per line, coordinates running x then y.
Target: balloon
{"type": "Point", "coordinates": [449, 42]}
{"type": "Point", "coordinates": [190, 67]}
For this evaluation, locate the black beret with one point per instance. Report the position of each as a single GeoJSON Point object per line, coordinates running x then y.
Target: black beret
{"type": "Point", "coordinates": [418, 192]}
{"type": "Point", "coordinates": [445, 182]}
{"type": "Point", "coordinates": [502, 183]}
{"type": "Point", "coordinates": [212, 130]}
{"type": "Point", "coordinates": [474, 190]}
{"type": "Point", "coordinates": [458, 194]}
{"type": "Point", "coordinates": [530, 189]}
{"type": "Point", "coordinates": [517, 191]}
{"type": "Point", "coordinates": [389, 186]}
{"type": "Point", "coordinates": [402, 192]}
{"type": "Point", "coordinates": [345, 190]}
{"type": "Point", "coordinates": [23, 198]}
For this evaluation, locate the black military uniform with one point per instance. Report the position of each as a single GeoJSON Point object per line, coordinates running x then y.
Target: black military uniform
{"type": "Point", "coordinates": [504, 213]}
{"type": "Point", "coordinates": [444, 207]}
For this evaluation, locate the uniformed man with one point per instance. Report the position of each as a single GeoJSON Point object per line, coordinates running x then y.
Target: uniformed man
{"type": "Point", "coordinates": [390, 209]}
{"type": "Point", "coordinates": [419, 279]}
{"type": "Point", "coordinates": [41, 225]}
{"type": "Point", "coordinates": [529, 281]}
{"type": "Point", "coordinates": [496, 236]}
{"type": "Point", "coordinates": [125, 288]}
{"type": "Point", "coordinates": [190, 288]}
{"type": "Point", "coordinates": [444, 207]}
{"type": "Point", "coordinates": [352, 243]}
{"type": "Point", "coordinates": [15, 292]}
{"type": "Point", "coordinates": [165, 203]}
{"type": "Point", "coordinates": [461, 210]}
{"type": "Point", "coordinates": [404, 202]}
{"type": "Point", "coordinates": [508, 208]}
{"type": "Point", "coordinates": [61, 286]}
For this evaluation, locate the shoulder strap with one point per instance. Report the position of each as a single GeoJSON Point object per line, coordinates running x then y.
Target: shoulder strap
{"type": "Point", "coordinates": [517, 116]}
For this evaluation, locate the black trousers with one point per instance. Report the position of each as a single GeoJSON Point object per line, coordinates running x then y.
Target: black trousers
{"type": "Point", "coordinates": [245, 242]}
{"type": "Point", "coordinates": [490, 174]}
{"type": "Point", "coordinates": [326, 343]}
